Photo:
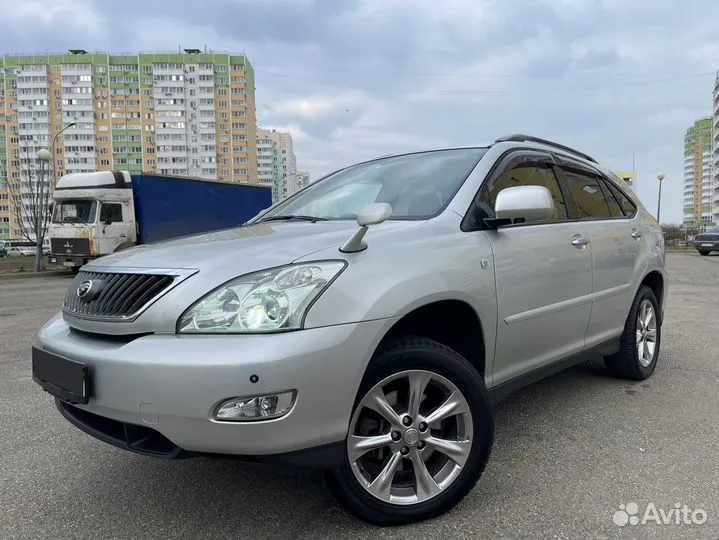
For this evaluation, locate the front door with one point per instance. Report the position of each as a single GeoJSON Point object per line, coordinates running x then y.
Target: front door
{"type": "Point", "coordinates": [543, 272]}
{"type": "Point", "coordinates": [114, 226]}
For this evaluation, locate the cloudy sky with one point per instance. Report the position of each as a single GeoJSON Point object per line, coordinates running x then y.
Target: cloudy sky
{"type": "Point", "coordinates": [353, 79]}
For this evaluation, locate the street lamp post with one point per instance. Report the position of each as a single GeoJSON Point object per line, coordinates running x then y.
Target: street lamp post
{"type": "Point", "coordinates": [660, 177]}
{"type": "Point", "coordinates": [43, 157]}
{"type": "Point", "coordinates": [54, 140]}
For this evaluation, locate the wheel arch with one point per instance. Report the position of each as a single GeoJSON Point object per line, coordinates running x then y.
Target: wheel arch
{"type": "Point", "coordinates": [655, 280]}
{"type": "Point", "coordinates": [451, 322]}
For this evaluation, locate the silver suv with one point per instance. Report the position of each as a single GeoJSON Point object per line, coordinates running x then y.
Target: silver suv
{"type": "Point", "coordinates": [367, 325]}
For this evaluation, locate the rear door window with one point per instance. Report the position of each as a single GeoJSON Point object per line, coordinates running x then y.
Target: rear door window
{"type": "Point", "coordinates": [588, 195]}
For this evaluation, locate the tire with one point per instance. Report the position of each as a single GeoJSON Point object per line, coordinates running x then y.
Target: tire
{"type": "Point", "coordinates": [416, 359]}
{"type": "Point", "coordinates": [704, 253]}
{"type": "Point", "coordinates": [627, 363]}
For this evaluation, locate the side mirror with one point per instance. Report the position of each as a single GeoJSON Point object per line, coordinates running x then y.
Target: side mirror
{"type": "Point", "coordinates": [372, 214]}
{"type": "Point", "coordinates": [108, 221]}
{"type": "Point", "coordinates": [530, 203]}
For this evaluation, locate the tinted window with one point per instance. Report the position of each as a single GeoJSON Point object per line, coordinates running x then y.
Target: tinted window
{"type": "Point", "coordinates": [627, 205]}
{"type": "Point", "coordinates": [417, 186]}
{"type": "Point", "coordinates": [614, 206]}
{"type": "Point", "coordinates": [111, 212]}
{"type": "Point", "coordinates": [531, 175]}
{"type": "Point", "coordinates": [588, 196]}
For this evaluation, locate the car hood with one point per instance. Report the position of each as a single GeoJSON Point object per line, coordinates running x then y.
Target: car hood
{"type": "Point", "coordinates": [244, 249]}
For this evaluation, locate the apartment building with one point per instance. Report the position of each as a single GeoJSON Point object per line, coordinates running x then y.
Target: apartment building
{"type": "Point", "coordinates": [188, 113]}
{"type": "Point", "coordinates": [4, 212]}
{"type": "Point", "coordinates": [698, 178]}
{"type": "Point", "coordinates": [303, 179]}
{"type": "Point", "coordinates": [276, 162]}
{"type": "Point", "coordinates": [715, 152]}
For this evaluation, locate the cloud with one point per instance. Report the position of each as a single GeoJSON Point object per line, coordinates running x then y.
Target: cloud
{"type": "Point", "coordinates": [352, 79]}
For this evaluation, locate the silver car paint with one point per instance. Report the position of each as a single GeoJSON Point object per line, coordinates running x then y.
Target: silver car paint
{"type": "Point", "coordinates": [538, 297]}
{"type": "Point", "coordinates": [173, 383]}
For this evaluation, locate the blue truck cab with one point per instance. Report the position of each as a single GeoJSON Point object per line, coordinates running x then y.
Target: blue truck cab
{"type": "Point", "coordinates": [99, 213]}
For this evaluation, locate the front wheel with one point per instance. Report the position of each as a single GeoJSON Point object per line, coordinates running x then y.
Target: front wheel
{"type": "Point", "coordinates": [419, 437]}
{"type": "Point", "coordinates": [703, 252]}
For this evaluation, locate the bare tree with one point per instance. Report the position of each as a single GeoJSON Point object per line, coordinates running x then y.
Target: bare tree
{"type": "Point", "coordinates": [30, 196]}
{"type": "Point", "coordinates": [672, 233]}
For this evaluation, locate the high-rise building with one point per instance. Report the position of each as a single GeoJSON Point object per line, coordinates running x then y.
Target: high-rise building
{"type": "Point", "coordinates": [188, 113]}
{"type": "Point", "coordinates": [715, 152]}
{"type": "Point", "coordinates": [698, 188]}
{"type": "Point", "coordinates": [276, 162]}
{"type": "Point", "coordinates": [303, 179]}
{"type": "Point", "coordinates": [4, 212]}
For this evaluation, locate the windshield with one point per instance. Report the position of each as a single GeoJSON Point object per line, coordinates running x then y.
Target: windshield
{"type": "Point", "coordinates": [417, 186]}
{"type": "Point", "coordinates": [75, 211]}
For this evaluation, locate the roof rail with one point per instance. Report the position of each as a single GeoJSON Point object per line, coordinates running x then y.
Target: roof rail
{"type": "Point", "coordinates": [528, 138]}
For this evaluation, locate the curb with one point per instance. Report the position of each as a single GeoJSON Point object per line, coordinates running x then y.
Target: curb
{"type": "Point", "coordinates": [31, 275]}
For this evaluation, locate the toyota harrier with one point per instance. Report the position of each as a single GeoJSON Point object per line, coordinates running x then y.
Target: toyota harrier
{"type": "Point", "coordinates": [367, 325]}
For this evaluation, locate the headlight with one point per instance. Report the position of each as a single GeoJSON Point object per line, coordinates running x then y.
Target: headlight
{"type": "Point", "coordinates": [265, 301]}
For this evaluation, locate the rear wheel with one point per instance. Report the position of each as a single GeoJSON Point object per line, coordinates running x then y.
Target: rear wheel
{"type": "Point", "coordinates": [703, 252]}
{"type": "Point", "coordinates": [419, 437]}
{"type": "Point", "coordinates": [639, 349]}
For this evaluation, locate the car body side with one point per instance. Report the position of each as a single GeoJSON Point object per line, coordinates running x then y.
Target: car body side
{"type": "Point", "coordinates": [437, 263]}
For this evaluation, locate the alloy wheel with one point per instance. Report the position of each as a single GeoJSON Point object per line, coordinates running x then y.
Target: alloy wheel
{"type": "Point", "coordinates": [646, 333]}
{"type": "Point", "coordinates": [410, 437]}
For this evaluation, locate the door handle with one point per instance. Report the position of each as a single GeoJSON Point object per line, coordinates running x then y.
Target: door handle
{"type": "Point", "coordinates": [579, 241]}
{"type": "Point", "coordinates": [636, 234]}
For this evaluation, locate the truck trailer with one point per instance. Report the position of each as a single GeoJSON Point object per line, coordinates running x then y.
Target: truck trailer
{"type": "Point", "coordinates": [99, 213]}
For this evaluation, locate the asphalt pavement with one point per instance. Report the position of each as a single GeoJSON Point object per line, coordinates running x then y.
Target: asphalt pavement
{"type": "Point", "coordinates": [568, 452]}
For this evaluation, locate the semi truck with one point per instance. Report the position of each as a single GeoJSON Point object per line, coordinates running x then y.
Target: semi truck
{"type": "Point", "coordinates": [98, 213]}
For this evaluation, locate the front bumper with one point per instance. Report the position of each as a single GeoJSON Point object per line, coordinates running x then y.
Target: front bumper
{"type": "Point", "coordinates": [170, 385]}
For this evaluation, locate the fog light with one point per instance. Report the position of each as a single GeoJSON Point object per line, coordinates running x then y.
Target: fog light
{"type": "Point", "coordinates": [247, 409]}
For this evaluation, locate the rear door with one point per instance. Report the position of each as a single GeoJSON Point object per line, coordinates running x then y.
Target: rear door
{"type": "Point", "coordinates": [543, 272]}
{"type": "Point", "coordinates": [611, 224]}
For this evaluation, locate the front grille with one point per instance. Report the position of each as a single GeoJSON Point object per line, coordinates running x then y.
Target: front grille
{"type": "Point", "coordinates": [70, 246]}
{"type": "Point", "coordinates": [114, 295]}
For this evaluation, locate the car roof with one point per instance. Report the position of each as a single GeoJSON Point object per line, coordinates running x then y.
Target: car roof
{"type": "Point", "coordinates": [519, 140]}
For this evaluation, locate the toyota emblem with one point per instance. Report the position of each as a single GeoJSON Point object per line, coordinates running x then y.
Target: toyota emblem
{"type": "Point", "coordinates": [88, 290]}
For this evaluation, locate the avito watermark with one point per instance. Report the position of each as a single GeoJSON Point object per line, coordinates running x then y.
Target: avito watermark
{"type": "Point", "coordinates": [680, 514]}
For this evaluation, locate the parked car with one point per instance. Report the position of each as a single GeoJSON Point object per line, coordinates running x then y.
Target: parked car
{"type": "Point", "coordinates": [367, 325]}
{"type": "Point", "coordinates": [3, 252]}
{"type": "Point", "coordinates": [707, 241]}
{"type": "Point", "coordinates": [16, 251]}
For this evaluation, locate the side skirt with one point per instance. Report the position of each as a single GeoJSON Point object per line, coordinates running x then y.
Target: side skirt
{"type": "Point", "coordinates": [501, 391]}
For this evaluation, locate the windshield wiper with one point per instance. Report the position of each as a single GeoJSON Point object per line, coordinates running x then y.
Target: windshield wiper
{"type": "Point", "coordinates": [293, 217]}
